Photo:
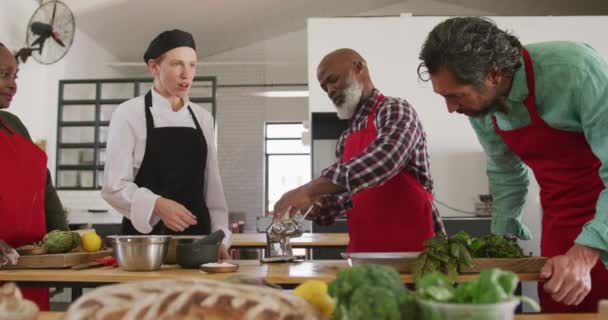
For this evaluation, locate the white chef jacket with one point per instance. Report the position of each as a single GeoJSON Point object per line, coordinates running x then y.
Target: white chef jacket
{"type": "Point", "coordinates": [125, 150]}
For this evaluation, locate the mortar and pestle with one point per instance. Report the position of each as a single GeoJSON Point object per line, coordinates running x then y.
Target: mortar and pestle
{"type": "Point", "coordinates": [191, 253]}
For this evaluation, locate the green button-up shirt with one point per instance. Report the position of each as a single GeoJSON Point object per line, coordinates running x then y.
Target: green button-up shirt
{"type": "Point", "coordinates": [571, 94]}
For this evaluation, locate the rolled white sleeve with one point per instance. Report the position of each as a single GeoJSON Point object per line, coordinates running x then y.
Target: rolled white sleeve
{"type": "Point", "coordinates": [119, 188]}
{"type": "Point", "coordinates": [213, 188]}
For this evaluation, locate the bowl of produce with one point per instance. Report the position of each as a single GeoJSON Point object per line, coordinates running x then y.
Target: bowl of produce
{"type": "Point", "coordinates": [141, 252]}
{"type": "Point", "coordinates": [430, 310]}
{"type": "Point", "coordinates": [490, 296]}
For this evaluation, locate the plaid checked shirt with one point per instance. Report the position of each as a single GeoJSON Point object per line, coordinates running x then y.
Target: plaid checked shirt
{"type": "Point", "coordinates": [400, 144]}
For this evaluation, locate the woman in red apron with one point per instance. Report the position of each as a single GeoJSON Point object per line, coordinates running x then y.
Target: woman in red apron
{"type": "Point", "coordinates": [23, 174]}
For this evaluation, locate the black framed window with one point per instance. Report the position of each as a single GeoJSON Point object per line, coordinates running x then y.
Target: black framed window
{"type": "Point", "coordinates": [84, 113]}
{"type": "Point", "coordinates": [286, 161]}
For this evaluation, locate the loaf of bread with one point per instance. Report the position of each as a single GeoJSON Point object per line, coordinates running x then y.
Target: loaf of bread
{"type": "Point", "coordinates": [13, 306]}
{"type": "Point", "coordinates": [187, 299]}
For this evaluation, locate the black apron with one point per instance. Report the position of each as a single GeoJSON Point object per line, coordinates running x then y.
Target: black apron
{"type": "Point", "coordinates": [173, 167]}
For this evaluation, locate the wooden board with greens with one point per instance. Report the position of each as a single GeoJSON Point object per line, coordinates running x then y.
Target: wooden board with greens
{"type": "Point", "coordinates": [461, 252]}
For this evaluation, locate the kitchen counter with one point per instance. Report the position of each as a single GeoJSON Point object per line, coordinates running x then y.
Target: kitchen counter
{"type": "Point", "coordinates": [86, 217]}
{"type": "Point", "coordinates": [279, 273]}
{"type": "Point", "coordinates": [587, 316]}
{"type": "Point", "coordinates": [563, 316]}
{"type": "Point", "coordinates": [50, 316]}
{"type": "Point", "coordinates": [307, 240]}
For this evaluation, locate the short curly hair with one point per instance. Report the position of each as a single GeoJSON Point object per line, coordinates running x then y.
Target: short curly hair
{"type": "Point", "coordinates": [470, 47]}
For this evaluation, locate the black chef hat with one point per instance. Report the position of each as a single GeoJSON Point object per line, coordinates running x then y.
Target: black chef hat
{"type": "Point", "coordinates": [166, 41]}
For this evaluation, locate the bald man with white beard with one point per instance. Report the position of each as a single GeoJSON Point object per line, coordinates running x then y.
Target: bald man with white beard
{"type": "Point", "coordinates": [381, 178]}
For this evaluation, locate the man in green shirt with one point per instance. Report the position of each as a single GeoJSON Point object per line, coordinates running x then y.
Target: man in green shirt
{"type": "Point", "coordinates": [543, 107]}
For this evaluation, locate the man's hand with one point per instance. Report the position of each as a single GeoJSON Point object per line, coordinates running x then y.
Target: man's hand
{"type": "Point", "coordinates": [294, 200]}
{"type": "Point", "coordinates": [224, 255]}
{"type": "Point", "coordinates": [7, 254]}
{"type": "Point", "coordinates": [569, 274]}
{"type": "Point", "coordinates": [175, 216]}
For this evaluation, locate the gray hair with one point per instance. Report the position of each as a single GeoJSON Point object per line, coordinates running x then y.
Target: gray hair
{"type": "Point", "coordinates": [470, 47]}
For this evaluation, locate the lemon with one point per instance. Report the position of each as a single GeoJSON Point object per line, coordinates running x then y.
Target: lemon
{"type": "Point", "coordinates": [91, 242]}
{"type": "Point", "coordinates": [315, 292]}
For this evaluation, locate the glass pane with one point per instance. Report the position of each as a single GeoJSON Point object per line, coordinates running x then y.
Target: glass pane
{"type": "Point", "coordinates": [78, 113]}
{"type": "Point", "coordinates": [120, 90]}
{"type": "Point", "coordinates": [73, 91]}
{"type": "Point", "coordinates": [106, 111]}
{"type": "Point", "coordinates": [103, 134]}
{"type": "Point", "coordinates": [207, 106]}
{"type": "Point", "coordinates": [77, 134]}
{"type": "Point", "coordinates": [76, 156]}
{"type": "Point", "coordinates": [201, 89]}
{"type": "Point", "coordinates": [99, 179]}
{"type": "Point", "coordinates": [286, 173]}
{"type": "Point", "coordinates": [75, 179]}
{"type": "Point", "coordinates": [144, 87]}
{"type": "Point", "coordinates": [286, 146]}
{"type": "Point", "coordinates": [101, 156]}
{"type": "Point", "coordinates": [284, 130]}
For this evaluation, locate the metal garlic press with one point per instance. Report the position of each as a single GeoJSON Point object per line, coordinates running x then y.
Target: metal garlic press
{"type": "Point", "coordinates": [279, 234]}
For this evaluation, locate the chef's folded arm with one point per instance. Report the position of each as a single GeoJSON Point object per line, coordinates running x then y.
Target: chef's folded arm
{"type": "Point", "coordinates": [594, 120]}
{"type": "Point", "coordinates": [508, 180]}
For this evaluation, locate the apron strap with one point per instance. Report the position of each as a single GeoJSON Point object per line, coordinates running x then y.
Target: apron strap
{"type": "Point", "coordinates": [150, 119]}
{"type": "Point", "coordinates": [198, 126]}
{"type": "Point", "coordinates": [148, 105]}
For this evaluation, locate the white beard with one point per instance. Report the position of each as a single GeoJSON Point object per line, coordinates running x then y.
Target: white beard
{"type": "Point", "coordinates": [352, 97]}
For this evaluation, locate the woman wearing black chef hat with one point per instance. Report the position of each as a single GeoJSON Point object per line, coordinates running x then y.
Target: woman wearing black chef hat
{"type": "Point", "coordinates": [161, 169]}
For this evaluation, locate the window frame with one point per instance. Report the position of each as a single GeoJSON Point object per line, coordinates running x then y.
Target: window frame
{"type": "Point", "coordinates": [268, 155]}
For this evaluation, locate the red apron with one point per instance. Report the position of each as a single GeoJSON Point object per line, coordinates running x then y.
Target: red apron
{"type": "Point", "coordinates": [568, 174]}
{"type": "Point", "coordinates": [393, 217]}
{"type": "Point", "coordinates": [22, 188]}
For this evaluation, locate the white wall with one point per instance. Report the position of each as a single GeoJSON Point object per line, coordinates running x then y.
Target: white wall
{"type": "Point", "coordinates": [36, 100]}
{"type": "Point", "coordinates": [241, 116]}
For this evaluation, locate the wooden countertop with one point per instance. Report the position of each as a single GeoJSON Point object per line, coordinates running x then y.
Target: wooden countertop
{"type": "Point", "coordinates": [50, 316]}
{"type": "Point", "coordinates": [563, 316]}
{"type": "Point", "coordinates": [279, 273]}
{"type": "Point", "coordinates": [587, 316]}
{"type": "Point", "coordinates": [307, 240]}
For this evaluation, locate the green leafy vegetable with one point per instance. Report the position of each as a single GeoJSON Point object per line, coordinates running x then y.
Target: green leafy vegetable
{"type": "Point", "coordinates": [492, 286]}
{"type": "Point", "coordinates": [496, 246]}
{"type": "Point", "coordinates": [371, 292]}
{"type": "Point", "coordinates": [445, 254]}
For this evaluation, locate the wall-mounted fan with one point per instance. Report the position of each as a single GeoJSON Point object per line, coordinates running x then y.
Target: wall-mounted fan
{"type": "Point", "coordinates": [50, 33]}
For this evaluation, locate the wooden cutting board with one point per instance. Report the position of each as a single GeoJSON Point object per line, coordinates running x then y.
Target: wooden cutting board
{"type": "Point", "coordinates": [57, 260]}
{"type": "Point", "coordinates": [517, 265]}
